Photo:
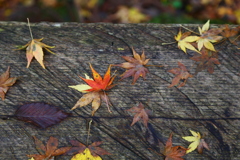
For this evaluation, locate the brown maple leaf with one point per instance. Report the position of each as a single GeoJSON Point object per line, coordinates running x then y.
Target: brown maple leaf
{"type": "Point", "coordinates": [230, 34]}
{"type": "Point", "coordinates": [181, 74]}
{"type": "Point", "coordinates": [173, 153]}
{"type": "Point", "coordinates": [206, 60]}
{"type": "Point", "coordinates": [6, 82]}
{"type": "Point", "coordinates": [135, 66]}
{"type": "Point", "coordinates": [140, 113]}
{"type": "Point", "coordinates": [79, 147]}
{"type": "Point", "coordinates": [49, 151]}
{"type": "Point", "coordinates": [202, 145]}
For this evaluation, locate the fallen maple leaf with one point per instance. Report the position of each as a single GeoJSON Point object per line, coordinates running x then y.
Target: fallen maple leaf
{"type": "Point", "coordinates": [34, 49]}
{"type": "Point", "coordinates": [95, 90]}
{"type": "Point", "coordinates": [230, 34]}
{"type": "Point", "coordinates": [206, 61]}
{"type": "Point", "coordinates": [207, 37]}
{"type": "Point", "coordinates": [85, 155]}
{"type": "Point", "coordinates": [6, 82]}
{"type": "Point", "coordinates": [40, 114]}
{"type": "Point", "coordinates": [173, 153]}
{"type": "Point", "coordinates": [181, 74]}
{"type": "Point", "coordinates": [135, 66]}
{"type": "Point", "coordinates": [184, 41]}
{"type": "Point", "coordinates": [140, 113]}
{"type": "Point", "coordinates": [197, 142]}
{"type": "Point", "coordinates": [83, 152]}
{"type": "Point", "coordinates": [49, 151]}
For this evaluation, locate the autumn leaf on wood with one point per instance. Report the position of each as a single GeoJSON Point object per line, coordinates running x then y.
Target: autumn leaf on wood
{"type": "Point", "coordinates": [140, 114]}
{"type": "Point", "coordinates": [135, 66]}
{"type": "Point", "coordinates": [40, 114]}
{"type": "Point", "coordinates": [82, 151]}
{"type": "Point", "coordinates": [95, 90]}
{"type": "Point", "coordinates": [181, 74]}
{"type": "Point", "coordinates": [173, 153]}
{"type": "Point", "coordinates": [230, 34]}
{"type": "Point", "coordinates": [49, 151]}
{"type": "Point", "coordinates": [197, 142]}
{"type": "Point", "coordinates": [6, 82]}
{"type": "Point", "coordinates": [206, 60]}
{"type": "Point", "coordinates": [85, 155]}
{"type": "Point", "coordinates": [207, 37]}
{"type": "Point", "coordinates": [184, 41]}
{"type": "Point", "coordinates": [34, 48]}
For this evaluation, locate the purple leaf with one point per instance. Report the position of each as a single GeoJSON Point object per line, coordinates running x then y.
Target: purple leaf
{"type": "Point", "coordinates": [40, 114]}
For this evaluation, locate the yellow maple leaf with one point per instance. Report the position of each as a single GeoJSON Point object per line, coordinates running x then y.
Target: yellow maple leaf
{"type": "Point", "coordinates": [34, 49]}
{"type": "Point", "coordinates": [85, 155]}
{"type": "Point", "coordinates": [184, 41]}
{"type": "Point", "coordinates": [207, 37]}
{"type": "Point", "coordinates": [195, 139]}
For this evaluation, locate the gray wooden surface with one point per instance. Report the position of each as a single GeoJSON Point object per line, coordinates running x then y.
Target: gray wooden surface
{"type": "Point", "coordinates": [209, 103]}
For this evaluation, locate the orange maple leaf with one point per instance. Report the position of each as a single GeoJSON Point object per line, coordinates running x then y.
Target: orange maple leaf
{"type": "Point", "coordinates": [5, 83]}
{"type": "Point", "coordinates": [135, 66]}
{"type": "Point", "coordinates": [173, 153]}
{"type": "Point", "coordinates": [95, 89]}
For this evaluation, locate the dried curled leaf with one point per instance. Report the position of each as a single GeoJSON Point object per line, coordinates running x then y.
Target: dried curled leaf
{"type": "Point", "coordinates": [173, 153]}
{"type": "Point", "coordinates": [140, 113]}
{"type": "Point", "coordinates": [6, 82]}
{"type": "Point", "coordinates": [49, 151]}
{"type": "Point", "coordinates": [181, 74]}
{"type": "Point", "coordinates": [40, 114]}
{"type": "Point", "coordinates": [95, 90]}
{"type": "Point", "coordinates": [135, 66]}
{"type": "Point", "coordinates": [34, 49]}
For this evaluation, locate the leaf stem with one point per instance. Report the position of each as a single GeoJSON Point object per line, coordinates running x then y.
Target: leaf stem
{"type": "Point", "coordinates": [169, 43]}
{"type": "Point", "coordinates": [30, 28]}
{"type": "Point", "coordinates": [190, 30]}
{"type": "Point", "coordinates": [89, 128]}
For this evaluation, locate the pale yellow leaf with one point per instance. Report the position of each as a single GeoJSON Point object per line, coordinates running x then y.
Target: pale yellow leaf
{"type": "Point", "coordinates": [209, 45]}
{"type": "Point", "coordinates": [81, 87]}
{"type": "Point", "coordinates": [191, 39]}
{"type": "Point", "coordinates": [206, 26]}
{"type": "Point", "coordinates": [200, 43]}
{"type": "Point", "coordinates": [195, 139]}
{"type": "Point", "coordinates": [85, 155]}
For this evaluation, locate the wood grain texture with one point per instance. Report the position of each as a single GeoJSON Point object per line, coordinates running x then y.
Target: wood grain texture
{"type": "Point", "coordinates": [209, 103]}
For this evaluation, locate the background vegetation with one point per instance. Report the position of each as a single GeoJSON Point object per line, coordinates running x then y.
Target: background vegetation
{"type": "Point", "coordinates": [124, 11]}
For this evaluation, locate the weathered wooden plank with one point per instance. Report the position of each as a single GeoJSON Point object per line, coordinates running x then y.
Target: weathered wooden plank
{"type": "Point", "coordinates": [209, 103]}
